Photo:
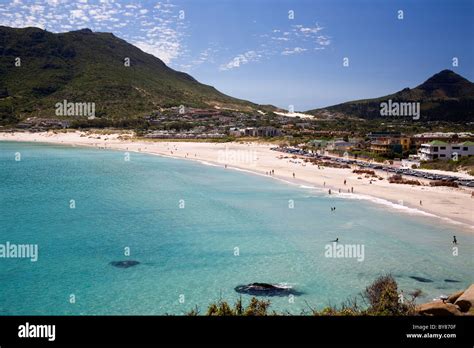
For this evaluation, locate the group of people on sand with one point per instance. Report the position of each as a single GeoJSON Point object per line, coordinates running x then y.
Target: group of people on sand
{"type": "Point", "coordinates": [339, 190]}
{"type": "Point", "coordinates": [272, 172]}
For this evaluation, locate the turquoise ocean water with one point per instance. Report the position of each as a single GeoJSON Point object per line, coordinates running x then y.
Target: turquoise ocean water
{"type": "Point", "coordinates": [190, 251]}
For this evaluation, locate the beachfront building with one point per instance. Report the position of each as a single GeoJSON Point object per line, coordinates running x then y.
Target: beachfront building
{"type": "Point", "coordinates": [340, 145]}
{"type": "Point", "coordinates": [386, 142]}
{"type": "Point", "coordinates": [442, 150]}
{"type": "Point", "coordinates": [268, 131]}
{"type": "Point", "coordinates": [318, 144]}
{"type": "Point", "coordinates": [386, 146]}
{"type": "Point", "coordinates": [405, 142]}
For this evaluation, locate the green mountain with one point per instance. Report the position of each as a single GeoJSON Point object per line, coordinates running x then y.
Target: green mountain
{"type": "Point", "coordinates": [445, 96]}
{"type": "Point", "coordinates": [84, 66]}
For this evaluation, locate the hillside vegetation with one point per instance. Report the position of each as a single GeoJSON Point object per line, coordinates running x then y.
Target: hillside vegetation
{"type": "Point", "coordinates": [446, 96]}
{"type": "Point", "coordinates": [84, 66]}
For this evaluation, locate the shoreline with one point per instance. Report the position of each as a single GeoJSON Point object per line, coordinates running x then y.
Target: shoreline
{"type": "Point", "coordinates": [453, 206]}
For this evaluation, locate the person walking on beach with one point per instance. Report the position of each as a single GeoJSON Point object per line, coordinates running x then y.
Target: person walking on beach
{"type": "Point", "coordinates": [352, 190]}
{"type": "Point", "coordinates": [329, 191]}
{"type": "Point", "coordinates": [293, 175]}
{"type": "Point", "coordinates": [344, 181]}
{"type": "Point", "coordinates": [421, 203]}
{"type": "Point", "coordinates": [455, 241]}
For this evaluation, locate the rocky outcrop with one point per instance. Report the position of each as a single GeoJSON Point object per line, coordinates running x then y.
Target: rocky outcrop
{"type": "Point", "coordinates": [453, 297]}
{"type": "Point", "coordinates": [438, 308]}
{"type": "Point", "coordinates": [466, 300]}
{"type": "Point", "coordinates": [459, 303]}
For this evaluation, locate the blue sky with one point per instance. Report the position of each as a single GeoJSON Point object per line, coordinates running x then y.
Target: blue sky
{"type": "Point", "coordinates": [256, 49]}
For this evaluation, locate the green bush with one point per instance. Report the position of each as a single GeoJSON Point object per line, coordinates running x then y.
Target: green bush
{"type": "Point", "coordinates": [222, 308]}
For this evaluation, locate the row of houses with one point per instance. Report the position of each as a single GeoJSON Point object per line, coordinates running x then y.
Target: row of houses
{"type": "Point", "coordinates": [428, 146]}
{"type": "Point", "coordinates": [37, 123]}
{"type": "Point", "coordinates": [183, 135]}
{"type": "Point", "coordinates": [255, 132]}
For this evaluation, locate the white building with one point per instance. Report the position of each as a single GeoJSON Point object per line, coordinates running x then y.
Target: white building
{"type": "Point", "coordinates": [441, 150]}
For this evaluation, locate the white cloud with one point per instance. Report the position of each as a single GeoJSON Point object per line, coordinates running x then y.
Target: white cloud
{"type": "Point", "coordinates": [241, 59]}
{"type": "Point", "coordinates": [323, 40]}
{"type": "Point", "coordinates": [296, 50]}
{"type": "Point", "coordinates": [164, 32]}
{"type": "Point", "coordinates": [276, 41]}
{"type": "Point", "coordinates": [310, 30]}
{"type": "Point", "coordinates": [166, 51]}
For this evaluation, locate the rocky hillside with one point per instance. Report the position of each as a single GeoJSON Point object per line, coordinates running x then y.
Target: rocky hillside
{"type": "Point", "coordinates": [446, 96]}
{"type": "Point", "coordinates": [84, 66]}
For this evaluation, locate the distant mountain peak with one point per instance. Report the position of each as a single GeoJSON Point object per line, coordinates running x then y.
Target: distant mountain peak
{"type": "Point", "coordinates": [443, 78]}
{"type": "Point", "coordinates": [444, 96]}
{"type": "Point", "coordinates": [84, 30]}
{"type": "Point", "coordinates": [87, 66]}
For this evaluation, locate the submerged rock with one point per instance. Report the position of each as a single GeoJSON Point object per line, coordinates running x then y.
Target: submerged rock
{"type": "Point", "coordinates": [265, 289]}
{"type": "Point", "coordinates": [124, 264]}
{"type": "Point", "coordinates": [421, 279]}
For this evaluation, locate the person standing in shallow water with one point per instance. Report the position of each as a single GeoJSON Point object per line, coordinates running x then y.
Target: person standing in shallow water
{"type": "Point", "coordinates": [455, 241]}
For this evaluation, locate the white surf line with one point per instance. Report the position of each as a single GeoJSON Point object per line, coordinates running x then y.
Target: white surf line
{"type": "Point", "coordinates": [399, 207]}
{"type": "Point", "coordinates": [380, 201]}
{"type": "Point", "coordinates": [377, 200]}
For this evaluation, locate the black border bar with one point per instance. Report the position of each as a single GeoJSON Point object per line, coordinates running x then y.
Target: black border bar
{"type": "Point", "coordinates": [287, 330]}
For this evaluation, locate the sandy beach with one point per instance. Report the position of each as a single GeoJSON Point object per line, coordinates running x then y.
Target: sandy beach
{"type": "Point", "coordinates": [445, 204]}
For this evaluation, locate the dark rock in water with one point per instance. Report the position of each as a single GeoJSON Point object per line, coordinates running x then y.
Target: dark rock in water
{"type": "Point", "coordinates": [124, 264]}
{"type": "Point", "coordinates": [420, 279]}
{"type": "Point", "coordinates": [264, 289]}
{"type": "Point", "coordinates": [452, 281]}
